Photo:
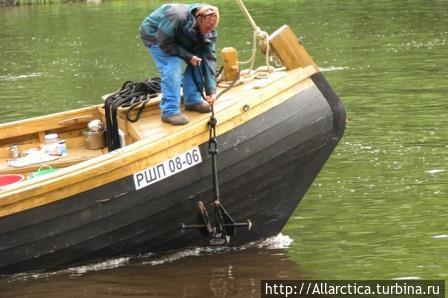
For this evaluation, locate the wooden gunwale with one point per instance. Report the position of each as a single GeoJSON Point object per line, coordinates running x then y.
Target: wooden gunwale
{"type": "Point", "coordinates": [28, 126]}
{"type": "Point", "coordinates": [151, 150]}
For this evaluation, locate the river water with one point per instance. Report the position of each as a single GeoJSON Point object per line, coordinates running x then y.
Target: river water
{"type": "Point", "coordinates": [376, 211]}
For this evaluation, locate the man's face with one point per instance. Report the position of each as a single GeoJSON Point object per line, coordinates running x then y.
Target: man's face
{"type": "Point", "coordinates": [207, 23]}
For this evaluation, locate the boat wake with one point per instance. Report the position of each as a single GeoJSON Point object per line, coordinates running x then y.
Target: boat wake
{"type": "Point", "coordinates": [21, 77]}
{"type": "Point", "coordinates": [278, 242]}
{"type": "Point", "coordinates": [333, 68]}
{"type": "Point", "coordinates": [72, 272]}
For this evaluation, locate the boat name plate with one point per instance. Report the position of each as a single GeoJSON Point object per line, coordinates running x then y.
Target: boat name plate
{"type": "Point", "coordinates": [167, 168]}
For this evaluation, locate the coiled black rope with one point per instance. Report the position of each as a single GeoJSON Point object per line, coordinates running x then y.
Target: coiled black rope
{"type": "Point", "coordinates": [132, 96]}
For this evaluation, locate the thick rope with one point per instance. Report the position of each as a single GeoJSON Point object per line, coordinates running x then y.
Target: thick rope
{"type": "Point", "coordinates": [263, 38]}
{"type": "Point", "coordinates": [132, 96]}
{"type": "Point", "coordinates": [247, 14]}
{"type": "Point", "coordinates": [259, 34]}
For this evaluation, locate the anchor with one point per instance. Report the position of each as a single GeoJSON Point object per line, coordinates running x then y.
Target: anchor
{"type": "Point", "coordinates": [224, 226]}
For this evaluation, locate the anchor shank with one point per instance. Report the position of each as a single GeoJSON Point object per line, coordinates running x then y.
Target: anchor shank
{"type": "Point", "coordinates": [215, 177]}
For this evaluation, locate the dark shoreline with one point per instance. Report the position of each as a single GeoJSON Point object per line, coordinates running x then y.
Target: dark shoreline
{"type": "Point", "coordinates": [9, 3]}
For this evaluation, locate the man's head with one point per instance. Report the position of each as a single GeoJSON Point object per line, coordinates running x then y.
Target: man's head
{"type": "Point", "coordinates": [207, 18]}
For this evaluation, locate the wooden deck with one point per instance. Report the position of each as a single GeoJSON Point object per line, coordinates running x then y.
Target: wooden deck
{"type": "Point", "coordinates": [151, 127]}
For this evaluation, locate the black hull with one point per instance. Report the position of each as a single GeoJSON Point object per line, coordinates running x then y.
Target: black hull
{"type": "Point", "coordinates": [265, 167]}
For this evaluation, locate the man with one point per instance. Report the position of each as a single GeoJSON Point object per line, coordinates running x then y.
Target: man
{"type": "Point", "coordinates": [176, 32]}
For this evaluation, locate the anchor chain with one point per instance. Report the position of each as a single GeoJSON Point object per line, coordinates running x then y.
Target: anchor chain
{"type": "Point", "coordinates": [213, 151]}
{"type": "Point", "coordinates": [224, 225]}
{"type": "Point", "coordinates": [219, 235]}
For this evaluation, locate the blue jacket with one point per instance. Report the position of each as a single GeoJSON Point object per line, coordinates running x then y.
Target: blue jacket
{"type": "Point", "coordinates": [173, 27]}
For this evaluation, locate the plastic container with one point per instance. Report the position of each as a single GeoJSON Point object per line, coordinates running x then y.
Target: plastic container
{"type": "Point", "coordinates": [8, 179]}
{"type": "Point", "coordinates": [94, 139]}
{"type": "Point", "coordinates": [43, 170]}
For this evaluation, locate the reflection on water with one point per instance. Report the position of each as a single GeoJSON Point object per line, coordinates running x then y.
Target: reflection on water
{"type": "Point", "coordinates": [196, 272]}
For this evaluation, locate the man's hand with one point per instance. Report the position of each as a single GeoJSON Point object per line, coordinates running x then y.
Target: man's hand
{"type": "Point", "coordinates": [195, 61]}
{"type": "Point", "coordinates": [210, 98]}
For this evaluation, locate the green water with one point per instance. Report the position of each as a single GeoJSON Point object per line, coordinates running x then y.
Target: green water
{"type": "Point", "coordinates": [378, 208]}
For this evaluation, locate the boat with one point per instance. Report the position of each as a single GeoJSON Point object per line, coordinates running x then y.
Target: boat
{"type": "Point", "coordinates": [167, 187]}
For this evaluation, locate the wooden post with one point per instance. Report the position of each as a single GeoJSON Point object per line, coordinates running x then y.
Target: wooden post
{"type": "Point", "coordinates": [230, 60]}
{"type": "Point", "coordinates": [289, 49]}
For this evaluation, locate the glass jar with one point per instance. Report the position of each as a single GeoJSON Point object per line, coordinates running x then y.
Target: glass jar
{"type": "Point", "coordinates": [14, 151]}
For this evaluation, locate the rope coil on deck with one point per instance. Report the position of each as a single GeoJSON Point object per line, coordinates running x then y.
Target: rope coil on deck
{"type": "Point", "coordinates": [133, 96]}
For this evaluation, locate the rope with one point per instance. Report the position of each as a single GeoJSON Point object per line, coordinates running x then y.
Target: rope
{"type": "Point", "coordinates": [247, 14]}
{"type": "Point", "coordinates": [132, 96]}
{"type": "Point", "coordinates": [263, 37]}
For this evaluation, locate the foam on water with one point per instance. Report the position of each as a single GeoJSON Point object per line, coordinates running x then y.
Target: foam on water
{"type": "Point", "coordinates": [109, 264]}
{"type": "Point", "coordinates": [190, 252]}
{"type": "Point", "coordinates": [435, 171]}
{"type": "Point", "coordinates": [440, 236]}
{"type": "Point", "coordinates": [21, 77]}
{"type": "Point", "coordinates": [278, 242]}
{"type": "Point", "coordinates": [332, 68]}
{"type": "Point", "coordinates": [73, 271]}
